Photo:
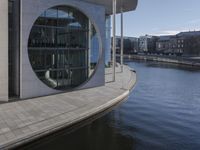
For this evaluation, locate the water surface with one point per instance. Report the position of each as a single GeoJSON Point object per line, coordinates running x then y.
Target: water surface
{"type": "Point", "coordinates": [162, 113]}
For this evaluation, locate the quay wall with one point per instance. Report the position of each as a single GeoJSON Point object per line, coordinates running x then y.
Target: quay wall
{"type": "Point", "coordinates": [179, 60]}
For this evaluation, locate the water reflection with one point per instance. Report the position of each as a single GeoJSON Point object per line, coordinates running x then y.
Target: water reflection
{"type": "Point", "coordinates": [103, 134]}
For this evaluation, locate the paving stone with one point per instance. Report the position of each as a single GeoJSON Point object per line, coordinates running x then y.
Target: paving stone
{"type": "Point", "coordinates": [10, 135]}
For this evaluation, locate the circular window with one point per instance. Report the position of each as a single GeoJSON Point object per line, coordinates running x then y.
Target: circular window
{"type": "Point", "coordinates": [63, 48]}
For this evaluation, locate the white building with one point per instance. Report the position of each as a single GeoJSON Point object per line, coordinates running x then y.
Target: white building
{"type": "Point", "coordinates": [52, 46]}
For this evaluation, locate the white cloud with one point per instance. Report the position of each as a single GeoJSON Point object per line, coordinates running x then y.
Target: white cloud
{"type": "Point", "coordinates": [167, 32]}
{"type": "Point", "coordinates": [171, 32]}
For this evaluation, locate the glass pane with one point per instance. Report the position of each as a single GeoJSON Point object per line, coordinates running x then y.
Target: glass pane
{"type": "Point", "coordinates": [51, 17]}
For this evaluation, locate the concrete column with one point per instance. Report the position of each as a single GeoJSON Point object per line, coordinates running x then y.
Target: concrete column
{"type": "Point", "coordinates": [108, 41]}
{"type": "Point", "coordinates": [4, 50]}
{"type": "Point", "coordinates": [114, 39]}
{"type": "Point", "coordinates": [122, 40]}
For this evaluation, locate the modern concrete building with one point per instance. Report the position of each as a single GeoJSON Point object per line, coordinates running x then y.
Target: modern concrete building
{"type": "Point", "coordinates": [53, 46]}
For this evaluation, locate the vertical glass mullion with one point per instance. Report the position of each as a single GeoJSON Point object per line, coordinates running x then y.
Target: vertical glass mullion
{"type": "Point", "coordinates": [87, 32]}
{"type": "Point", "coordinates": [45, 44]}
{"type": "Point", "coordinates": [56, 49]}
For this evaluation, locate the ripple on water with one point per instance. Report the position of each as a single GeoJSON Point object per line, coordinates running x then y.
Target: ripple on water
{"type": "Point", "coordinates": [162, 113]}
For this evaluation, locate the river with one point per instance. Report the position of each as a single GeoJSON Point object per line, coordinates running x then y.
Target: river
{"type": "Point", "coordinates": [162, 113]}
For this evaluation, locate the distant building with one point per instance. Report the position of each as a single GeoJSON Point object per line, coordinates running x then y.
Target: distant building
{"type": "Point", "coordinates": [147, 43]}
{"type": "Point", "coordinates": [163, 43]}
{"type": "Point", "coordinates": [190, 43]}
{"type": "Point", "coordinates": [170, 45]}
{"type": "Point", "coordinates": [131, 45]}
{"type": "Point", "coordinates": [135, 43]}
{"type": "Point", "coordinates": [184, 43]}
{"type": "Point", "coordinates": [189, 34]}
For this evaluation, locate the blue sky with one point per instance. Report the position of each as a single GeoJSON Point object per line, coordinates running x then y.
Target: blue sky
{"type": "Point", "coordinates": [161, 17]}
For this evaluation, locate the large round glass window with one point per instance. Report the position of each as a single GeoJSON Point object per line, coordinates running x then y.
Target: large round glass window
{"type": "Point", "coordinates": [63, 47]}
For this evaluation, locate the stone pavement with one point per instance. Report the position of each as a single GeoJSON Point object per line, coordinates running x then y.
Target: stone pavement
{"type": "Point", "coordinates": [26, 120]}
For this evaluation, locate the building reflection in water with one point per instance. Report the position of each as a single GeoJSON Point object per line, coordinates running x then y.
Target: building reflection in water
{"type": "Point", "coordinates": [101, 134]}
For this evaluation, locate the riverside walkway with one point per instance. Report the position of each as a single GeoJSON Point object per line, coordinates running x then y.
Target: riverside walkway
{"type": "Point", "coordinates": [23, 121]}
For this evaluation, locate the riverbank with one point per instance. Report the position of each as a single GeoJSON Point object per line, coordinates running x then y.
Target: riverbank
{"type": "Point", "coordinates": [24, 121]}
{"type": "Point", "coordinates": [167, 59]}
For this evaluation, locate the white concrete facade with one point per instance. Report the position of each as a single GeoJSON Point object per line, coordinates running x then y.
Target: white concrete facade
{"type": "Point", "coordinates": [30, 85]}
{"type": "Point", "coordinates": [4, 50]}
{"type": "Point", "coordinates": [25, 82]}
{"type": "Point", "coordinates": [127, 5]}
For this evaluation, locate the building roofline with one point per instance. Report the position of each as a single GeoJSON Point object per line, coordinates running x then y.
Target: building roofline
{"type": "Point", "coordinates": [126, 5]}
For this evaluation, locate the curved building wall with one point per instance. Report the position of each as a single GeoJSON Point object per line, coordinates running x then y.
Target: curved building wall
{"type": "Point", "coordinates": [30, 85]}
